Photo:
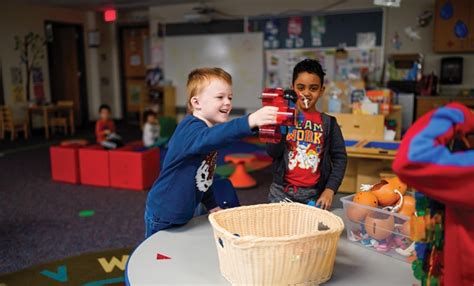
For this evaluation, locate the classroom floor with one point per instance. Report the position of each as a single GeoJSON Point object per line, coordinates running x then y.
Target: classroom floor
{"type": "Point", "coordinates": [40, 219]}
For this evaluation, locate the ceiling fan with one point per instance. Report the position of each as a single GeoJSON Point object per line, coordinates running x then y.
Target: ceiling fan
{"type": "Point", "coordinates": [202, 13]}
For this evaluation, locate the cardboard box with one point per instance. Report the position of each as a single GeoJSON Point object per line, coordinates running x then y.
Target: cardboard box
{"type": "Point", "coordinates": [360, 126]}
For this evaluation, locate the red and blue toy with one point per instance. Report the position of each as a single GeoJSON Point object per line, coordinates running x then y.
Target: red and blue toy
{"type": "Point", "coordinates": [426, 162]}
{"type": "Point", "coordinates": [285, 101]}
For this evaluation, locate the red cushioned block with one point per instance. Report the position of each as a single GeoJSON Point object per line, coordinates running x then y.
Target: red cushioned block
{"type": "Point", "coordinates": [65, 164]}
{"type": "Point", "coordinates": [94, 166]}
{"type": "Point", "coordinates": [133, 167]}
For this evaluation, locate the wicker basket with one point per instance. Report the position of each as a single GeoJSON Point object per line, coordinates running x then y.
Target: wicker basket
{"type": "Point", "coordinates": [276, 244]}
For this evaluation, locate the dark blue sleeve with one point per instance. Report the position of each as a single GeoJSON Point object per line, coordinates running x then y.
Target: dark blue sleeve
{"type": "Point", "coordinates": [202, 139]}
{"type": "Point", "coordinates": [209, 200]}
{"type": "Point", "coordinates": [337, 150]}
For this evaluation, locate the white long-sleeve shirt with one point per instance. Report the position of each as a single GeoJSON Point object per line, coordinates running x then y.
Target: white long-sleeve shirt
{"type": "Point", "coordinates": [151, 132]}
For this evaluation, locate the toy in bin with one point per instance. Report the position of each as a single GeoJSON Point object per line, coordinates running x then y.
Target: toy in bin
{"type": "Point", "coordinates": [379, 217]}
{"type": "Point", "coordinates": [285, 101]}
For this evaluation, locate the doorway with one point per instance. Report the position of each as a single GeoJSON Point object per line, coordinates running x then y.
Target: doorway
{"type": "Point", "coordinates": [2, 98]}
{"type": "Point", "coordinates": [134, 58]}
{"type": "Point", "coordinates": [66, 61]}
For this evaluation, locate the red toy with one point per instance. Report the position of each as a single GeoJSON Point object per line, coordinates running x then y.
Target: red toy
{"type": "Point", "coordinates": [133, 167]}
{"type": "Point", "coordinates": [94, 166]}
{"type": "Point", "coordinates": [284, 100]}
{"type": "Point", "coordinates": [65, 164]}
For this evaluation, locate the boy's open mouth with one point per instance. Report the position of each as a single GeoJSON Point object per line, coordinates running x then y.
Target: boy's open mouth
{"type": "Point", "coordinates": [225, 111]}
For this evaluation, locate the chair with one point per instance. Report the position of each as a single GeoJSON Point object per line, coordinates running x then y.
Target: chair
{"type": "Point", "coordinates": [167, 126]}
{"type": "Point", "coordinates": [8, 124]}
{"type": "Point", "coordinates": [60, 119]}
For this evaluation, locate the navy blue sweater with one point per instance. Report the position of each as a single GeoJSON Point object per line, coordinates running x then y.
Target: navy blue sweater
{"type": "Point", "coordinates": [188, 169]}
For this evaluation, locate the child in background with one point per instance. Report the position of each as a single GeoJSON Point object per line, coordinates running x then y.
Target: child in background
{"type": "Point", "coordinates": [151, 130]}
{"type": "Point", "coordinates": [310, 161]}
{"type": "Point", "coordinates": [105, 129]}
{"type": "Point", "coordinates": [188, 169]}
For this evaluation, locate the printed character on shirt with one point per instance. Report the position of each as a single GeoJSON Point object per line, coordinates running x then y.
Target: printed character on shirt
{"type": "Point", "coordinates": [305, 145]}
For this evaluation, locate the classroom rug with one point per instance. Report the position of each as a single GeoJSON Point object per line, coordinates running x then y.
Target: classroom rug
{"type": "Point", "coordinates": [91, 269]}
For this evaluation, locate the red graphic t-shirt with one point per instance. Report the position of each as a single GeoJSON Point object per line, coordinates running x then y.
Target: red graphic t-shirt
{"type": "Point", "coordinates": [305, 146]}
{"type": "Point", "coordinates": [101, 126]}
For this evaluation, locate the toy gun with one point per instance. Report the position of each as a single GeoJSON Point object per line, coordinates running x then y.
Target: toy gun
{"type": "Point", "coordinates": [285, 101]}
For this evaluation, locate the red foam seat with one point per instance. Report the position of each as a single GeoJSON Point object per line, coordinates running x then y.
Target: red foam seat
{"type": "Point", "coordinates": [65, 164]}
{"type": "Point", "coordinates": [134, 167]}
{"type": "Point", "coordinates": [94, 166]}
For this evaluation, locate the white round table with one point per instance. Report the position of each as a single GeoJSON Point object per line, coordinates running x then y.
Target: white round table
{"type": "Point", "coordinates": [193, 260]}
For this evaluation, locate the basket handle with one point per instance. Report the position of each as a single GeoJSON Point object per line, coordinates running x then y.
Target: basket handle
{"type": "Point", "coordinates": [243, 243]}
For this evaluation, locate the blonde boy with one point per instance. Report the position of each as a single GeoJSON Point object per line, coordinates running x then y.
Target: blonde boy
{"type": "Point", "coordinates": [187, 174]}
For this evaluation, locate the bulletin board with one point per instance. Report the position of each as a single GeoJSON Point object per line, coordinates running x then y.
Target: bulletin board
{"type": "Point", "coordinates": [239, 54]}
{"type": "Point", "coordinates": [321, 31]}
{"type": "Point", "coordinates": [279, 64]}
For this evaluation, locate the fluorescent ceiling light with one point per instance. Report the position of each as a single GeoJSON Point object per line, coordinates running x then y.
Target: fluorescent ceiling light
{"type": "Point", "coordinates": [388, 3]}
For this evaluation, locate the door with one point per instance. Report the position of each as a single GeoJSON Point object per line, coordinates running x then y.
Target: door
{"type": "Point", "coordinates": [134, 46]}
{"type": "Point", "coordinates": [2, 98]}
{"type": "Point", "coordinates": [66, 67]}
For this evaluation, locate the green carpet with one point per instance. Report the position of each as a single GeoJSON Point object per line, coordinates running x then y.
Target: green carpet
{"type": "Point", "coordinates": [92, 269]}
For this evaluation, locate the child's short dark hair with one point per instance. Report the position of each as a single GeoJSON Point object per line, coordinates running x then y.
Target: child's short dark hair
{"type": "Point", "coordinates": [309, 66]}
{"type": "Point", "coordinates": [149, 113]}
{"type": "Point", "coordinates": [104, 106]}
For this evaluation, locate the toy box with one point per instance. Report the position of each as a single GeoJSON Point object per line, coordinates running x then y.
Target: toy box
{"type": "Point", "coordinates": [94, 166]}
{"type": "Point", "coordinates": [377, 229]}
{"type": "Point", "coordinates": [134, 167]}
{"type": "Point", "coordinates": [65, 164]}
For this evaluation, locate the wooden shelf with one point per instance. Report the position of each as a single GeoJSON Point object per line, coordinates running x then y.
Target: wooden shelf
{"type": "Point", "coordinates": [425, 104]}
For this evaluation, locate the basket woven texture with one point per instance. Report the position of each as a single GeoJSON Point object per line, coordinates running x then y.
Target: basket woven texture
{"type": "Point", "coordinates": [276, 244]}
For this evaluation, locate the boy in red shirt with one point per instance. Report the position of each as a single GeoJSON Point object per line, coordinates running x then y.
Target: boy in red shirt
{"type": "Point", "coordinates": [105, 129]}
{"type": "Point", "coordinates": [309, 163]}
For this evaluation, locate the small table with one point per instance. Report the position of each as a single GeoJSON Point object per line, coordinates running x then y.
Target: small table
{"type": "Point", "coordinates": [45, 110]}
{"type": "Point", "coordinates": [193, 260]}
{"type": "Point", "coordinates": [240, 178]}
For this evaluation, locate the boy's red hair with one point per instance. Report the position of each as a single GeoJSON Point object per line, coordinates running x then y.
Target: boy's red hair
{"type": "Point", "coordinates": [199, 79]}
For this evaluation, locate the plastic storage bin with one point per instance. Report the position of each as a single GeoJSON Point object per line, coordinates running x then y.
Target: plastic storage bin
{"type": "Point", "coordinates": [377, 229]}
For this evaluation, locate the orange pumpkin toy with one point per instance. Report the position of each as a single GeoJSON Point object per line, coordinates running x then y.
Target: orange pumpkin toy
{"type": "Point", "coordinates": [385, 191]}
{"type": "Point", "coordinates": [358, 213]}
{"type": "Point", "coordinates": [406, 228]}
{"type": "Point", "coordinates": [408, 206]}
{"type": "Point", "coordinates": [379, 226]}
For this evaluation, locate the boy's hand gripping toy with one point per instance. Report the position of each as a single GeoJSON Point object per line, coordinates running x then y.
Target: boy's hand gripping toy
{"type": "Point", "coordinates": [285, 101]}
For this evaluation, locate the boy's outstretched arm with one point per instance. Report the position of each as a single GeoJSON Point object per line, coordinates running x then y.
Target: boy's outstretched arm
{"type": "Point", "coordinates": [205, 140]}
{"type": "Point", "coordinates": [337, 150]}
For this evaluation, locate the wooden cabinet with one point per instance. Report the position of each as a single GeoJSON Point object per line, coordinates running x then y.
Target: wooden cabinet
{"type": "Point", "coordinates": [164, 104]}
{"type": "Point", "coordinates": [445, 39]}
{"type": "Point", "coordinates": [424, 104]}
